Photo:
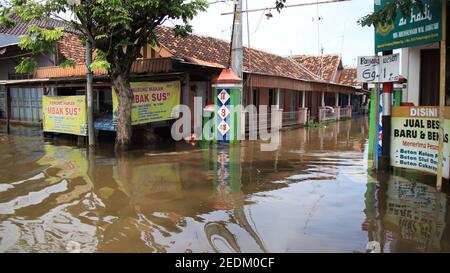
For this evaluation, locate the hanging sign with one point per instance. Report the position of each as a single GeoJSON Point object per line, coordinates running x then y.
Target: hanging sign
{"type": "Point", "coordinates": [65, 115]}
{"type": "Point", "coordinates": [419, 28]}
{"type": "Point", "coordinates": [152, 101]}
{"type": "Point", "coordinates": [378, 69]}
{"type": "Point", "coordinates": [415, 139]}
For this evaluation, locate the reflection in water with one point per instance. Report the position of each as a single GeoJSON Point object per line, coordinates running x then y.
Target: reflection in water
{"type": "Point", "coordinates": [312, 194]}
{"type": "Point", "coordinates": [406, 216]}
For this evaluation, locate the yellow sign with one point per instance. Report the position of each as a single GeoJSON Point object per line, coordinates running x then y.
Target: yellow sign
{"type": "Point", "coordinates": [152, 101]}
{"type": "Point", "coordinates": [67, 163]}
{"type": "Point", "coordinates": [65, 115]}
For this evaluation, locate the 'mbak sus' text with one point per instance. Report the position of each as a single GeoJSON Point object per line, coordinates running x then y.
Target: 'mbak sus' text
{"type": "Point", "coordinates": [147, 98]}
{"type": "Point", "coordinates": [68, 111]}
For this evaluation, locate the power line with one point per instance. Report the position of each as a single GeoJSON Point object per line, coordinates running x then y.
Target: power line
{"type": "Point", "coordinates": [289, 6]}
{"type": "Point", "coordinates": [219, 1]}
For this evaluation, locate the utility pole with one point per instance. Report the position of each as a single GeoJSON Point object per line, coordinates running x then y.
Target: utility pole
{"type": "Point", "coordinates": [89, 94]}
{"type": "Point", "coordinates": [237, 62]}
{"type": "Point", "coordinates": [237, 51]}
{"type": "Point", "coordinates": [387, 90]}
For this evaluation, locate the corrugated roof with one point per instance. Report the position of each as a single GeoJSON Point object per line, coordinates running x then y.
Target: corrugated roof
{"type": "Point", "coordinates": [21, 27]}
{"type": "Point", "coordinates": [8, 40]}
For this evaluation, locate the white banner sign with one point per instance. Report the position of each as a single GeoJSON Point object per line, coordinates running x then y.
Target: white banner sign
{"type": "Point", "coordinates": [379, 69]}
{"type": "Point", "coordinates": [415, 139]}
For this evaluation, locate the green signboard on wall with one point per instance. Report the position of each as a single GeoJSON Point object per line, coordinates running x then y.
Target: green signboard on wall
{"type": "Point", "coordinates": [419, 28]}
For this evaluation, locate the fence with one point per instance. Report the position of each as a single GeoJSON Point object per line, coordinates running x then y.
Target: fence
{"type": "Point", "coordinates": [264, 120]}
{"type": "Point", "coordinates": [327, 114]}
{"type": "Point", "coordinates": [291, 118]}
{"type": "Point", "coordinates": [343, 113]}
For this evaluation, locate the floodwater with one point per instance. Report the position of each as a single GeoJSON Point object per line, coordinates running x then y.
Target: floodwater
{"type": "Point", "coordinates": [313, 194]}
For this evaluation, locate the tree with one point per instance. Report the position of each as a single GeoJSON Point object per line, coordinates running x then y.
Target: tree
{"type": "Point", "coordinates": [117, 29]}
{"type": "Point", "coordinates": [388, 12]}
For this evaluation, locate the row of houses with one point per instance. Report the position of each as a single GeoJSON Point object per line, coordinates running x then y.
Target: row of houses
{"type": "Point", "coordinates": [307, 88]}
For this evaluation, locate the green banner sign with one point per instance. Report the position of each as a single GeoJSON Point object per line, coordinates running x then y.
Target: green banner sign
{"type": "Point", "coordinates": [419, 28]}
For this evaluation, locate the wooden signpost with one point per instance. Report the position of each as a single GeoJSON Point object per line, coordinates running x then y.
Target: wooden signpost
{"type": "Point", "coordinates": [442, 94]}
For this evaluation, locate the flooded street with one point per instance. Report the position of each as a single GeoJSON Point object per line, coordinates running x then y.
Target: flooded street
{"type": "Point", "coordinates": [314, 194]}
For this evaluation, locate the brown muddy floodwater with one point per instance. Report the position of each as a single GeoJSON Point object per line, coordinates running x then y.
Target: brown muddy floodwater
{"type": "Point", "coordinates": [311, 195]}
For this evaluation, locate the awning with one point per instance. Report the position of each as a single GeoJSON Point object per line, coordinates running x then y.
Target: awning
{"type": "Point", "coordinates": [7, 40]}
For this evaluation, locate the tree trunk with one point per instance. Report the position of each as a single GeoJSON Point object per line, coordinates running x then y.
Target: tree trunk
{"type": "Point", "coordinates": [125, 98]}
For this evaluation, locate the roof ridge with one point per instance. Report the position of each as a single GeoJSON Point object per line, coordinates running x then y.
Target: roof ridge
{"type": "Point", "coordinates": [228, 42]}
{"type": "Point", "coordinates": [47, 22]}
{"type": "Point", "coordinates": [316, 56]}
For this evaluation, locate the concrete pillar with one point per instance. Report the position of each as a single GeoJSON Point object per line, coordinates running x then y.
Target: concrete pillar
{"type": "Point", "coordinates": [302, 116]}
{"type": "Point", "coordinates": [8, 109]}
{"type": "Point", "coordinates": [237, 51]}
{"type": "Point", "coordinates": [337, 109]}
{"type": "Point", "coordinates": [303, 99]}
{"type": "Point", "coordinates": [323, 99]}
{"type": "Point", "coordinates": [277, 99]}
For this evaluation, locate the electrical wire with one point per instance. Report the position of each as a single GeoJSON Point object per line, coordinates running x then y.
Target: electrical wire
{"type": "Point", "coordinates": [259, 23]}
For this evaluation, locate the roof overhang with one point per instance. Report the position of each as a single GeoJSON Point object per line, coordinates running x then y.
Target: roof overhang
{"type": "Point", "coordinates": [7, 40]}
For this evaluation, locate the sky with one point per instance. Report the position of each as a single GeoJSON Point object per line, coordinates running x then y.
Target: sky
{"type": "Point", "coordinates": [295, 30]}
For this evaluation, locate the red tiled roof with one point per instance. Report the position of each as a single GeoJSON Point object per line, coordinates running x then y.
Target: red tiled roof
{"type": "Point", "coordinates": [70, 48]}
{"type": "Point", "coordinates": [325, 67]}
{"type": "Point", "coordinates": [348, 76]}
{"type": "Point", "coordinates": [215, 51]}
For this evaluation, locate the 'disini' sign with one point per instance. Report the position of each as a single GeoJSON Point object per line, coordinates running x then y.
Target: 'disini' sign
{"type": "Point", "coordinates": [415, 139]}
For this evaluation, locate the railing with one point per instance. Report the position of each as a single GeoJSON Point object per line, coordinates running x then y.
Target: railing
{"type": "Point", "coordinates": [19, 76]}
{"type": "Point", "coordinates": [291, 118]}
{"type": "Point", "coordinates": [343, 112]}
{"type": "Point", "coordinates": [264, 120]}
{"type": "Point", "coordinates": [328, 114]}
{"type": "Point", "coordinates": [257, 121]}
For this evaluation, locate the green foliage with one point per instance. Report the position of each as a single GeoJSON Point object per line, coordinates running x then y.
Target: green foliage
{"type": "Point", "coordinates": [100, 62]}
{"type": "Point", "coordinates": [279, 4]}
{"type": "Point", "coordinates": [315, 125]}
{"type": "Point", "coordinates": [388, 13]}
{"type": "Point", "coordinates": [37, 40]}
{"type": "Point", "coordinates": [27, 65]}
{"type": "Point", "coordinates": [116, 28]}
{"type": "Point", "coordinates": [68, 63]}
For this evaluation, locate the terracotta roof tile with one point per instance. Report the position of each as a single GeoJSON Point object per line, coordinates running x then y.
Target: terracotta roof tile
{"type": "Point", "coordinates": [347, 76]}
{"type": "Point", "coordinates": [325, 67]}
{"type": "Point", "coordinates": [70, 48]}
{"type": "Point", "coordinates": [215, 51]}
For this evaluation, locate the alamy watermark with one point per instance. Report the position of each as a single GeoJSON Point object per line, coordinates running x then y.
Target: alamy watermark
{"type": "Point", "coordinates": [259, 121]}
